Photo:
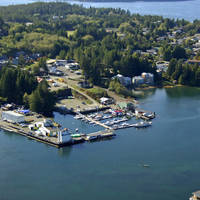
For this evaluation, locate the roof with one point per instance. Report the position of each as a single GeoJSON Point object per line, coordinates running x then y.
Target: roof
{"type": "Point", "coordinates": [138, 78]}
{"type": "Point", "coordinates": [51, 61]}
{"type": "Point", "coordinates": [24, 111]}
{"type": "Point", "coordinates": [13, 113]}
{"type": "Point", "coordinates": [104, 99]}
{"type": "Point", "coordinates": [194, 61]}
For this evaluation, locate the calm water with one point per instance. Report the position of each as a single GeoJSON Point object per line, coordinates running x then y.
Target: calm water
{"type": "Point", "coordinates": [112, 169]}
{"type": "Point", "coordinates": [178, 9]}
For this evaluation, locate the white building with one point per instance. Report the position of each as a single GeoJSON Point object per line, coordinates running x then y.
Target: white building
{"type": "Point", "coordinates": [106, 101]}
{"type": "Point", "coordinates": [12, 116]}
{"type": "Point", "coordinates": [46, 128]}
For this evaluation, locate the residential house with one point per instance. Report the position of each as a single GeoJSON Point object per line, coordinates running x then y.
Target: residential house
{"type": "Point", "coordinates": [125, 81]}
{"type": "Point", "coordinates": [162, 66]}
{"type": "Point", "coordinates": [148, 78]}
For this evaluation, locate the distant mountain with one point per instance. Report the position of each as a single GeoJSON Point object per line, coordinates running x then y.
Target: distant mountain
{"type": "Point", "coordinates": [131, 0]}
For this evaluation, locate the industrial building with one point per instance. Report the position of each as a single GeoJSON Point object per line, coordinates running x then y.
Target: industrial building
{"type": "Point", "coordinates": [12, 116]}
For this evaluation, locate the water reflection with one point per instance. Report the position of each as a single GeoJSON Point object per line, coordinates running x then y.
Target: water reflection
{"type": "Point", "coordinates": [65, 151]}
{"type": "Point", "coordinates": [178, 92]}
{"type": "Point", "coordinates": [145, 93]}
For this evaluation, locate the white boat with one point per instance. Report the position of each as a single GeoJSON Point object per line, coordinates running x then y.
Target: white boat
{"type": "Point", "coordinates": [142, 124]}
{"type": "Point", "coordinates": [92, 137]}
{"type": "Point", "coordinates": [78, 117]}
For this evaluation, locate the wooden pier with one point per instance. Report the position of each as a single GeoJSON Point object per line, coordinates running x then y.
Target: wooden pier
{"type": "Point", "coordinates": [94, 121]}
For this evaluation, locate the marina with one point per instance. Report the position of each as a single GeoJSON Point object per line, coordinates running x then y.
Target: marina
{"type": "Point", "coordinates": [88, 164]}
{"type": "Point", "coordinates": [33, 126]}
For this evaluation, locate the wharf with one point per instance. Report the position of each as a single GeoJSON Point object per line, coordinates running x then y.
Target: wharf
{"type": "Point", "coordinates": [24, 132]}
{"type": "Point", "coordinates": [99, 135]}
{"type": "Point", "coordinates": [52, 140]}
{"type": "Point", "coordinates": [97, 123]}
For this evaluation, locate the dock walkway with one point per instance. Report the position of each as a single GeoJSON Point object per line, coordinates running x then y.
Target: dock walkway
{"type": "Point", "coordinates": [94, 121]}
{"type": "Point", "coordinates": [100, 134]}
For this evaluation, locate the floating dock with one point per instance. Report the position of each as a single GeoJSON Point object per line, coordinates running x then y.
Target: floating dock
{"type": "Point", "coordinates": [99, 135]}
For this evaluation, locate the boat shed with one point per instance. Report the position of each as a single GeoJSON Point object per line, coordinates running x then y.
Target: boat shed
{"type": "Point", "coordinates": [12, 116]}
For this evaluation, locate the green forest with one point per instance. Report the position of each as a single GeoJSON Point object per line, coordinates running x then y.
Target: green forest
{"type": "Point", "coordinates": [104, 41]}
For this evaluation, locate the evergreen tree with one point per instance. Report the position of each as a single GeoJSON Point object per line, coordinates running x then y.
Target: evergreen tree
{"type": "Point", "coordinates": [42, 100]}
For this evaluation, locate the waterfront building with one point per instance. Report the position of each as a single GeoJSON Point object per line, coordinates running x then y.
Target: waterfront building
{"type": "Point", "coordinates": [125, 81]}
{"type": "Point", "coordinates": [148, 78]}
{"type": "Point", "coordinates": [48, 128]}
{"type": "Point", "coordinates": [145, 78]}
{"type": "Point", "coordinates": [12, 116]}
{"type": "Point", "coordinates": [137, 80]}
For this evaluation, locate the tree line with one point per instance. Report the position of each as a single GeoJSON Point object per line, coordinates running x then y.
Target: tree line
{"type": "Point", "coordinates": [21, 87]}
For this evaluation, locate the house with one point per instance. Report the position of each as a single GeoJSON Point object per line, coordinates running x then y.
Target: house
{"type": "Point", "coordinates": [162, 66]}
{"type": "Point", "coordinates": [106, 100]}
{"type": "Point", "coordinates": [39, 79]}
{"type": "Point", "coordinates": [151, 51]}
{"type": "Point", "coordinates": [197, 45]}
{"type": "Point", "coordinates": [29, 24]}
{"type": "Point", "coordinates": [3, 62]}
{"type": "Point", "coordinates": [145, 78]}
{"type": "Point", "coordinates": [148, 78]}
{"type": "Point", "coordinates": [125, 81]}
{"type": "Point", "coordinates": [196, 195]}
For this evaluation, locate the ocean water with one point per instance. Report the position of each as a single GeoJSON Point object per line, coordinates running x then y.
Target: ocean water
{"type": "Point", "coordinates": [112, 169]}
{"type": "Point", "coordinates": [188, 9]}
